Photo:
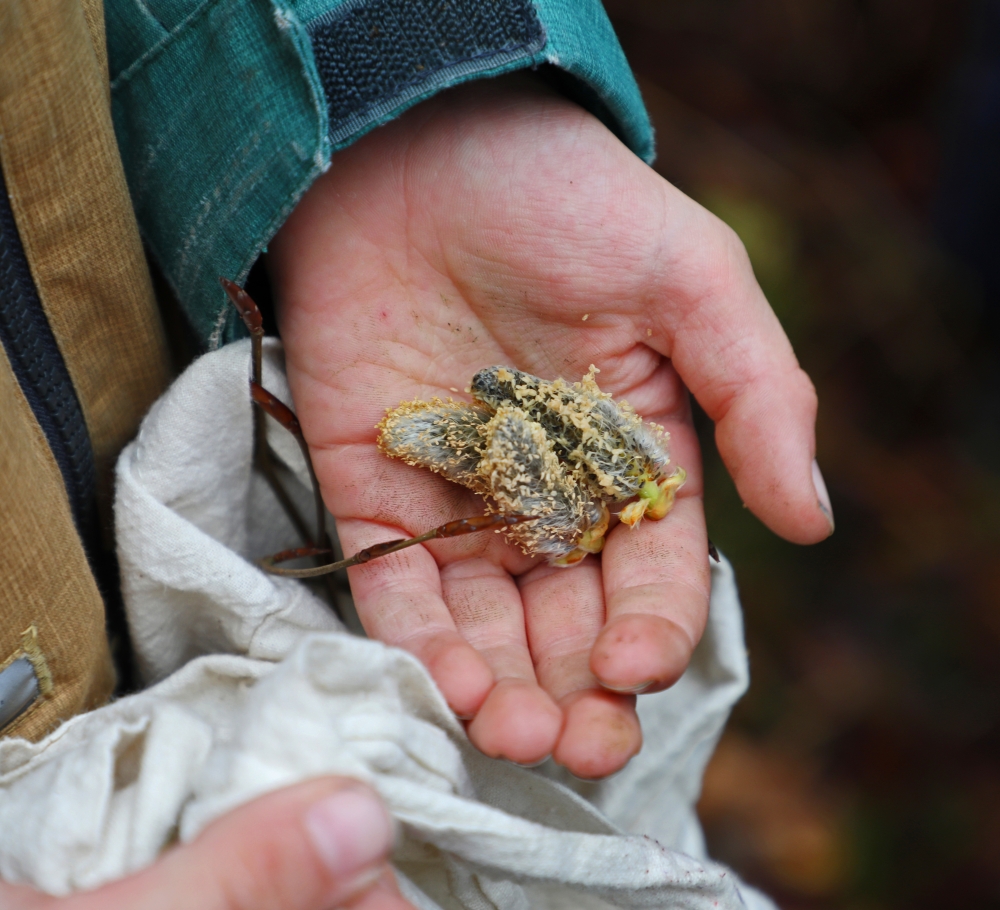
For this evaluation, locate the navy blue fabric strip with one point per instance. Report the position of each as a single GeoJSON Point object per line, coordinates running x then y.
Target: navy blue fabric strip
{"type": "Point", "coordinates": [375, 55]}
{"type": "Point", "coordinates": [41, 372]}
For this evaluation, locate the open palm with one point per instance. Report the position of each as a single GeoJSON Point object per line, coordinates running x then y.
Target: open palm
{"type": "Point", "coordinates": [501, 224]}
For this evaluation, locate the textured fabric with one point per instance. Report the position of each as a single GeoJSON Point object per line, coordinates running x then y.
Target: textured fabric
{"type": "Point", "coordinates": [71, 204]}
{"type": "Point", "coordinates": [41, 372]}
{"type": "Point", "coordinates": [46, 579]}
{"type": "Point", "coordinates": [582, 42]}
{"type": "Point", "coordinates": [93, 13]}
{"type": "Point", "coordinates": [376, 58]}
{"type": "Point", "coordinates": [73, 220]}
{"type": "Point", "coordinates": [260, 686]}
{"type": "Point", "coordinates": [222, 127]}
{"type": "Point", "coordinates": [227, 110]}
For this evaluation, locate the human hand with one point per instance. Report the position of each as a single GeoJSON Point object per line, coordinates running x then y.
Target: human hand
{"type": "Point", "coordinates": [501, 224]}
{"type": "Point", "coordinates": [313, 846]}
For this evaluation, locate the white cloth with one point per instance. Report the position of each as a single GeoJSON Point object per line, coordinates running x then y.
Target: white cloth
{"type": "Point", "coordinates": [254, 685]}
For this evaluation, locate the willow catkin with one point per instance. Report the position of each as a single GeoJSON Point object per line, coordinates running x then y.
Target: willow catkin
{"type": "Point", "coordinates": [615, 449]}
{"type": "Point", "coordinates": [446, 437]}
{"type": "Point", "coordinates": [526, 478]}
{"type": "Point", "coordinates": [557, 451]}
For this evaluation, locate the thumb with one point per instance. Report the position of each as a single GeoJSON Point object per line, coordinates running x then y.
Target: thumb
{"type": "Point", "coordinates": [732, 353]}
{"type": "Point", "coordinates": [312, 846]}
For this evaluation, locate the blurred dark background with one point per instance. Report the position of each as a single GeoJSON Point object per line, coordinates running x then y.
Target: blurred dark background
{"type": "Point", "coordinates": [855, 147]}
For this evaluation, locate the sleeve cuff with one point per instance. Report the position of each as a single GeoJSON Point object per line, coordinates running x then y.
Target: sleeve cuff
{"type": "Point", "coordinates": [227, 115]}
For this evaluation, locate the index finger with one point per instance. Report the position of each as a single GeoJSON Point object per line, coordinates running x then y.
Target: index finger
{"type": "Point", "coordinates": [656, 586]}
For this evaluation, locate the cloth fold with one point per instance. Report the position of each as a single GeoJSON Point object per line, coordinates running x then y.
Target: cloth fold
{"type": "Point", "coordinates": [255, 684]}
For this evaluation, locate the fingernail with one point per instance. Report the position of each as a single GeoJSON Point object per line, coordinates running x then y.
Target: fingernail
{"type": "Point", "coordinates": [531, 764]}
{"type": "Point", "coordinates": [629, 690]}
{"type": "Point", "coordinates": [821, 494]}
{"type": "Point", "coordinates": [352, 834]}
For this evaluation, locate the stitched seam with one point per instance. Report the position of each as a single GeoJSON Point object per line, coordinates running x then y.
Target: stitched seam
{"type": "Point", "coordinates": [184, 26]}
{"type": "Point", "coordinates": [352, 128]}
{"type": "Point", "coordinates": [320, 164]}
{"type": "Point", "coordinates": [32, 650]}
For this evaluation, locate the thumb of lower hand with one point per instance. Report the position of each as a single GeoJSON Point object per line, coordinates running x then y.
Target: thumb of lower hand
{"type": "Point", "coordinates": [312, 846]}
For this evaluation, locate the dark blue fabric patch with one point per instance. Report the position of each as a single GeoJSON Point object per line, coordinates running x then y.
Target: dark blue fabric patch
{"type": "Point", "coordinates": [373, 56]}
{"type": "Point", "coordinates": [41, 372]}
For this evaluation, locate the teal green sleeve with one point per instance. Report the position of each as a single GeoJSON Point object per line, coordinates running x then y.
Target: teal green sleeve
{"type": "Point", "coordinates": [226, 111]}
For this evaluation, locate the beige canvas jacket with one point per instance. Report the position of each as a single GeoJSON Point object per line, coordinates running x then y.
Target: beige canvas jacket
{"type": "Point", "coordinates": [72, 211]}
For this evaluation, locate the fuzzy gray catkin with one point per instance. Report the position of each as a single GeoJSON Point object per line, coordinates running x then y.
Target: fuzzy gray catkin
{"type": "Point", "coordinates": [446, 437]}
{"type": "Point", "coordinates": [527, 478]}
{"type": "Point", "coordinates": [555, 450]}
{"type": "Point", "coordinates": [617, 451]}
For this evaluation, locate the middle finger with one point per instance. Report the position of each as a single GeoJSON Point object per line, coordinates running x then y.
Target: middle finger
{"type": "Point", "coordinates": [518, 720]}
{"type": "Point", "coordinates": [564, 612]}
